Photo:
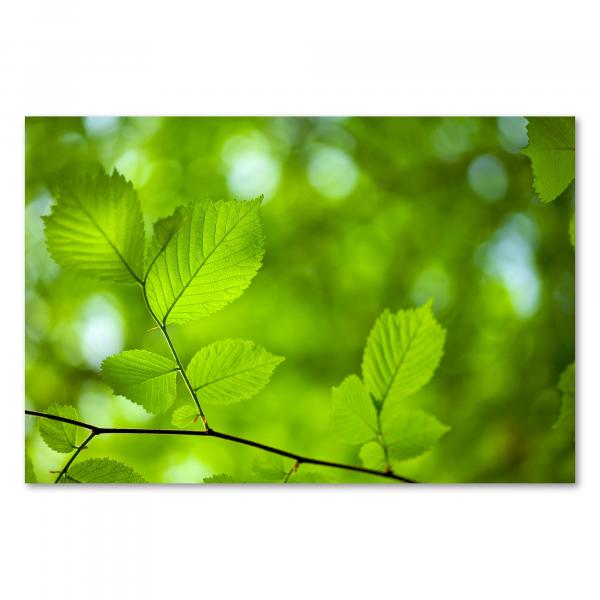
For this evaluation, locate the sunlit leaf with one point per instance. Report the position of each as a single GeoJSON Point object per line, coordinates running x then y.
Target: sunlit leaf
{"type": "Point", "coordinates": [303, 476]}
{"type": "Point", "coordinates": [60, 436]}
{"type": "Point", "coordinates": [552, 152]}
{"type": "Point", "coordinates": [403, 351]}
{"type": "Point", "coordinates": [185, 416]}
{"type": "Point", "coordinates": [269, 468]}
{"type": "Point", "coordinates": [164, 230]}
{"type": "Point", "coordinates": [230, 370]}
{"type": "Point", "coordinates": [410, 432]}
{"type": "Point", "coordinates": [145, 378]}
{"type": "Point", "coordinates": [208, 263]}
{"type": "Point", "coordinates": [96, 228]}
{"type": "Point", "coordinates": [101, 470]}
{"type": "Point", "coordinates": [353, 417]}
{"type": "Point", "coordinates": [372, 456]}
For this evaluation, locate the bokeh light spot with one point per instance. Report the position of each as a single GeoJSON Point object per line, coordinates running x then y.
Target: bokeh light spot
{"type": "Point", "coordinates": [332, 172]}
{"type": "Point", "coordinates": [487, 177]}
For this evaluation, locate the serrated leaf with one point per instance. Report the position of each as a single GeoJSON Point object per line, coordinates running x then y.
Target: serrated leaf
{"type": "Point", "coordinates": [402, 353]}
{"type": "Point", "coordinates": [552, 152]}
{"type": "Point", "coordinates": [96, 228]}
{"type": "Point", "coordinates": [185, 416]}
{"type": "Point", "coordinates": [353, 416]}
{"type": "Point", "coordinates": [208, 263]}
{"type": "Point", "coordinates": [269, 468]}
{"type": "Point", "coordinates": [29, 470]}
{"type": "Point", "coordinates": [101, 470]}
{"type": "Point", "coordinates": [410, 432]}
{"type": "Point", "coordinates": [221, 478]}
{"type": "Point", "coordinates": [60, 436]}
{"type": "Point", "coordinates": [566, 417]}
{"type": "Point", "coordinates": [143, 377]}
{"type": "Point", "coordinates": [230, 370]}
{"type": "Point", "coordinates": [372, 456]}
{"type": "Point", "coordinates": [164, 230]}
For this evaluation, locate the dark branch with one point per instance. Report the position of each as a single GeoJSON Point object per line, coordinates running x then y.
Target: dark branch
{"type": "Point", "coordinates": [216, 434]}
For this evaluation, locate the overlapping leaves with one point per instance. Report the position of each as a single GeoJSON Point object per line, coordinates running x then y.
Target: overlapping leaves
{"type": "Point", "coordinates": [402, 353]}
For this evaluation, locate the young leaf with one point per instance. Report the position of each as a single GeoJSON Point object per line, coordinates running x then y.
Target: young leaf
{"type": "Point", "coordinates": [60, 436]}
{"type": "Point", "coordinates": [101, 470]}
{"type": "Point", "coordinates": [372, 456]}
{"type": "Point", "coordinates": [185, 416]}
{"type": "Point", "coordinates": [221, 478]}
{"type": "Point", "coordinates": [353, 417]}
{"type": "Point", "coordinates": [566, 417]}
{"type": "Point", "coordinates": [402, 353]}
{"type": "Point", "coordinates": [551, 150]}
{"type": "Point", "coordinates": [230, 370]}
{"type": "Point", "coordinates": [208, 263]}
{"type": "Point", "coordinates": [29, 470]}
{"type": "Point", "coordinates": [410, 432]}
{"type": "Point", "coordinates": [96, 228]}
{"type": "Point", "coordinates": [269, 468]}
{"type": "Point", "coordinates": [145, 378]}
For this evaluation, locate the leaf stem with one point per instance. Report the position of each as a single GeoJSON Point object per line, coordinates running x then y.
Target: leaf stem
{"type": "Point", "coordinates": [75, 454]}
{"type": "Point", "coordinates": [95, 431]}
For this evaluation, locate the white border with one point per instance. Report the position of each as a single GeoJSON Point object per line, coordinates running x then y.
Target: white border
{"type": "Point", "coordinates": [299, 58]}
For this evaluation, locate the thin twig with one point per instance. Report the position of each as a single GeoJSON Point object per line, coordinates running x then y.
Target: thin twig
{"type": "Point", "coordinates": [75, 455]}
{"type": "Point", "coordinates": [223, 436]}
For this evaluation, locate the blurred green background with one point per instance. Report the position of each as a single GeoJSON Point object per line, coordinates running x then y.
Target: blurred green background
{"type": "Point", "coordinates": [359, 214]}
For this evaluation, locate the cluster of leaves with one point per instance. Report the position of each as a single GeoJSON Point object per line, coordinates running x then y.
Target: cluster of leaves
{"type": "Point", "coordinates": [196, 262]}
{"type": "Point", "coordinates": [403, 351]}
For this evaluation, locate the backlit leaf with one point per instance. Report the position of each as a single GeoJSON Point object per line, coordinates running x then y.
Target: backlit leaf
{"type": "Point", "coordinates": [208, 263]}
{"type": "Point", "coordinates": [101, 470]}
{"type": "Point", "coordinates": [145, 378]}
{"type": "Point", "coordinates": [353, 417]}
{"type": "Point", "coordinates": [221, 478]}
{"type": "Point", "coordinates": [29, 470]}
{"type": "Point", "coordinates": [230, 370]}
{"type": "Point", "coordinates": [403, 351]}
{"type": "Point", "coordinates": [96, 228]}
{"type": "Point", "coordinates": [410, 432]}
{"type": "Point", "coordinates": [60, 436]}
{"type": "Point", "coordinates": [185, 416]}
{"type": "Point", "coordinates": [372, 456]}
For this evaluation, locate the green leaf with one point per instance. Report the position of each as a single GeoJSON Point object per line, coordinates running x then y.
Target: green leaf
{"type": "Point", "coordinates": [185, 416]}
{"type": "Point", "coordinates": [101, 470]}
{"type": "Point", "coordinates": [96, 228]}
{"type": "Point", "coordinates": [572, 229]}
{"type": "Point", "coordinates": [145, 378]}
{"type": "Point", "coordinates": [208, 263]}
{"type": "Point", "coordinates": [29, 470]}
{"type": "Point", "coordinates": [164, 230]}
{"type": "Point", "coordinates": [410, 432]}
{"type": "Point", "coordinates": [353, 417]}
{"type": "Point", "coordinates": [566, 417]}
{"type": "Point", "coordinates": [552, 152]}
{"type": "Point", "coordinates": [222, 478]}
{"type": "Point", "coordinates": [372, 456]}
{"type": "Point", "coordinates": [230, 370]}
{"type": "Point", "coordinates": [269, 468]}
{"type": "Point", "coordinates": [59, 436]}
{"type": "Point", "coordinates": [402, 353]}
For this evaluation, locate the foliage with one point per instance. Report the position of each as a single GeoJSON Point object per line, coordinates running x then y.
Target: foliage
{"type": "Point", "coordinates": [358, 214]}
{"type": "Point", "coordinates": [401, 355]}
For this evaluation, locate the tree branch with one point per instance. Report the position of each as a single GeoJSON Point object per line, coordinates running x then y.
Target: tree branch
{"type": "Point", "coordinates": [95, 431]}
